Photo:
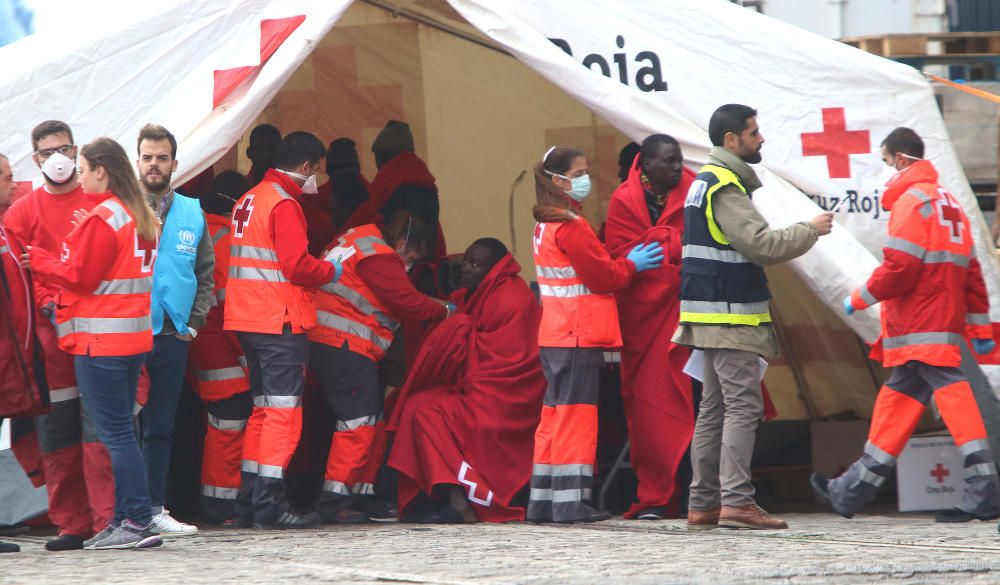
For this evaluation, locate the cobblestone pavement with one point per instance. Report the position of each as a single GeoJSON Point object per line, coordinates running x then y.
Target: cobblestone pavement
{"type": "Point", "coordinates": [818, 549]}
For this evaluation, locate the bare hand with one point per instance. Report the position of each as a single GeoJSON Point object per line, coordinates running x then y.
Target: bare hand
{"type": "Point", "coordinates": [25, 259]}
{"type": "Point", "coordinates": [823, 222]}
{"type": "Point", "coordinates": [78, 216]}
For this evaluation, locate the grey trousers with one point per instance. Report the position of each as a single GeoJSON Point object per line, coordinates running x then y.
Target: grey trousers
{"type": "Point", "coordinates": [731, 408]}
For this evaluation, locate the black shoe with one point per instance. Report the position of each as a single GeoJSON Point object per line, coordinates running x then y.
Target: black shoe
{"type": "Point", "coordinates": [339, 509]}
{"type": "Point", "coordinates": [819, 482]}
{"type": "Point", "coordinates": [956, 515]}
{"type": "Point", "coordinates": [65, 542]}
{"type": "Point", "coordinates": [445, 515]}
{"type": "Point", "coordinates": [290, 520]}
{"type": "Point", "coordinates": [381, 511]}
{"type": "Point", "coordinates": [654, 513]}
{"type": "Point", "coordinates": [6, 547]}
{"type": "Point", "coordinates": [237, 522]}
{"type": "Point", "coordinates": [595, 516]}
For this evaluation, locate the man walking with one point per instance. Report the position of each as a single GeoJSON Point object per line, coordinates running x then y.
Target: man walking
{"type": "Point", "coordinates": [183, 287]}
{"type": "Point", "coordinates": [724, 311]}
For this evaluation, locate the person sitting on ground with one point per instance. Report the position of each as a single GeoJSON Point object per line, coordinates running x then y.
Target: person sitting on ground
{"type": "Point", "coordinates": [474, 397]}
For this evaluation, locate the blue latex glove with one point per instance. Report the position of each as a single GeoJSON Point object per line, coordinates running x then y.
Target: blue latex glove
{"type": "Point", "coordinates": [848, 307]}
{"type": "Point", "coordinates": [646, 256]}
{"type": "Point", "coordinates": [337, 270]}
{"type": "Point", "coordinates": [49, 312]}
{"type": "Point", "coordinates": [983, 346]}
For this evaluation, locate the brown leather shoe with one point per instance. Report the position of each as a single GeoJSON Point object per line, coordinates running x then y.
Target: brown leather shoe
{"type": "Point", "coordinates": [703, 520]}
{"type": "Point", "coordinates": [750, 516]}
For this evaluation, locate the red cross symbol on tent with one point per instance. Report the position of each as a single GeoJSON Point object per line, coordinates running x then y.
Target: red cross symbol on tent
{"type": "Point", "coordinates": [146, 250]}
{"type": "Point", "coordinates": [241, 216]}
{"type": "Point", "coordinates": [940, 472]}
{"type": "Point", "coordinates": [273, 32]}
{"type": "Point", "coordinates": [836, 143]}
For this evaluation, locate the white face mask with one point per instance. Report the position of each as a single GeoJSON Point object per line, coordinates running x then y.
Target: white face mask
{"type": "Point", "coordinates": [58, 168]}
{"type": "Point", "coordinates": [310, 187]}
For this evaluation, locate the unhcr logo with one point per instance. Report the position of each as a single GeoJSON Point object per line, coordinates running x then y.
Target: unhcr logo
{"type": "Point", "coordinates": [186, 237]}
{"type": "Point", "coordinates": [647, 78]}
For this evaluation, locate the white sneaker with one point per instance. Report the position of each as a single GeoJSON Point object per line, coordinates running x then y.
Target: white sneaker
{"type": "Point", "coordinates": [167, 527]}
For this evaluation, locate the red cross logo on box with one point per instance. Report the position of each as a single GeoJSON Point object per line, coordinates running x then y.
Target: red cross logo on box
{"type": "Point", "coordinates": [241, 216]}
{"type": "Point", "coordinates": [940, 472]}
{"type": "Point", "coordinates": [836, 143]}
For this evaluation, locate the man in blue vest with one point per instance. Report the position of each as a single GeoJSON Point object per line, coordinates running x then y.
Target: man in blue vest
{"type": "Point", "coordinates": [183, 286]}
{"type": "Point", "coordinates": [725, 312]}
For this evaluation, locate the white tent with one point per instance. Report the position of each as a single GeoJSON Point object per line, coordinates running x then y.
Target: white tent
{"type": "Point", "coordinates": [210, 69]}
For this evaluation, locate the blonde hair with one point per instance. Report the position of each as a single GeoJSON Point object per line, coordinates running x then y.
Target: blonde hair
{"type": "Point", "coordinates": [552, 203]}
{"type": "Point", "coordinates": [122, 182]}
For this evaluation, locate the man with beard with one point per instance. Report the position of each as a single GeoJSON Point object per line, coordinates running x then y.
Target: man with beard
{"type": "Point", "coordinates": [76, 465]}
{"type": "Point", "coordinates": [183, 287]}
{"type": "Point", "coordinates": [725, 312]}
{"type": "Point", "coordinates": [466, 418]}
{"type": "Point", "coordinates": [649, 207]}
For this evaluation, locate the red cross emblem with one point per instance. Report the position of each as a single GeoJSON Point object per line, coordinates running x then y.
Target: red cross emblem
{"type": "Point", "coordinates": [145, 250]}
{"type": "Point", "coordinates": [241, 216]}
{"type": "Point", "coordinates": [950, 216]}
{"type": "Point", "coordinates": [836, 143]}
{"type": "Point", "coordinates": [940, 472]}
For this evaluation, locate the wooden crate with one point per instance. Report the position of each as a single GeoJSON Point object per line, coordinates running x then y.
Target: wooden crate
{"type": "Point", "coordinates": [920, 44]}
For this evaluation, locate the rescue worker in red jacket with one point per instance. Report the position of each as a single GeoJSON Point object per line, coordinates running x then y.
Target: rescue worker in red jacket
{"type": "Point", "coordinates": [933, 297]}
{"type": "Point", "coordinates": [576, 278]}
{"type": "Point", "coordinates": [355, 321]}
{"type": "Point", "coordinates": [270, 311]}
{"type": "Point", "coordinates": [105, 274]}
{"type": "Point", "coordinates": [78, 474]}
{"type": "Point", "coordinates": [217, 366]}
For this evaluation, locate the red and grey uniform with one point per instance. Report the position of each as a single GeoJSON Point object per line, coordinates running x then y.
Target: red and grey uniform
{"type": "Point", "coordinates": [217, 369]}
{"type": "Point", "coordinates": [933, 297]}
{"type": "Point", "coordinates": [355, 320]}
{"type": "Point", "coordinates": [77, 467]}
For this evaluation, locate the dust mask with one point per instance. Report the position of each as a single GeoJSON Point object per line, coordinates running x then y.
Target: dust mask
{"type": "Point", "coordinates": [58, 168]}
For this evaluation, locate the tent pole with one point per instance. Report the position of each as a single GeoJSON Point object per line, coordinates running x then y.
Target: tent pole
{"type": "Point", "coordinates": [396, 11]}
{"type": "Point", "coordinates": [804, 394]}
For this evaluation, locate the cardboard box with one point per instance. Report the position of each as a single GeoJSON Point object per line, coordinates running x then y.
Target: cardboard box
{"type": "Point", "coordinates": [930, 475]}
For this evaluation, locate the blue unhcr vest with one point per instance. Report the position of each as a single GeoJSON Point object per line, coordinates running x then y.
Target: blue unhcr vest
{"type": "Point", "coordinates": [174, 280]}
{"type": "Point", "coordinates": [719, 286]}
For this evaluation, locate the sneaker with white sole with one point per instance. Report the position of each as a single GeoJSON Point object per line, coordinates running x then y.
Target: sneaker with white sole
{"type": "Point", "coordinates": [128, 535]}
{"type": "Point", "coordinates": [100, 535]}
{"type": "Point", "coordinates": [167, 527]}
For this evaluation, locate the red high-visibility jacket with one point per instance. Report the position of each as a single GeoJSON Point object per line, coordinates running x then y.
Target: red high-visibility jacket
{"type": "Point", "coordinates": [929, 283]}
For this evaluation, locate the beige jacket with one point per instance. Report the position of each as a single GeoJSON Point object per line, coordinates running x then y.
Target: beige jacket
{"type": "Point", "coordinates": [751, 236]}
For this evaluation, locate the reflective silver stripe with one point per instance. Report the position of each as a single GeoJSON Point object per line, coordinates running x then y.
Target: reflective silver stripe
{"type": "Point", "coordinates": [906, 246]}
{"type": "Point", "coordinates": [980, 469]}
{"type": "Point", "coordinates": [873, 451]}
{"type": "Point", "coordinates": [119, 217]}
{"type": "Point", "coordinates": [977, 318]}
{"type": "Point", "coordinates": [253, 252]}
{"type": "Point", "coordinates": [563, 292]}
{"type": "Point", "coordinates": [64, 394]}
{"type": "Point", "coordinates": [709, 253]}
{"type": "Point", "coordinates": [272, 471]}
{"type": "Point", "coordinates": [254, 273]}
{"type": "Point", "coordinates": [336, 487]}
{"type": "Point", "coordinates": [364, 489]}
{"type": "Point", "coordinates": [356, 423]}
{"type": "Point", "coordinates": [125, 286]}
{"type": "Point", "coordinates": [542, 469]}
{"type": "Point", "coordinates": [868, 476]}
{"type": "Point", "coordinates": [226, 424]}
{"type": "Point", "coordinates": [560, 496]}
{"type": "Point", "coordinates": [971, 447]}
{"type": "Point", "coordinates": [367, 243]}
{"type": "Point", "coordinates": [97, 325]}
{"type": "Point", "coordinates": [945, 257]}
{"type": "Point", "coordinates": [551, 272]}
{"type": "Point", "coordinates": [223, 231]}
{"type": "Point", "coordinates": [249, 466]}
{"type": "Point", "coordinates": [867, 296]}
{"type": "Point", "coordinates": [220, 493]}
{"type": "Point", "coordinates": [281, 191]}
{"type": "Point", "coordinates": [4, 250]}
{"type": "Point", "coordinates": [922, 339]}
{"type": "Point", "coordinates": [360, 303]}
{"type": "Point", "coordinates": [221, 374]}
{"type": "Point", "coordinates": [724, 308]}
{"type": "Point", "coordinates": [572, 469]}
{"type": "Point", "coordinates": [277, 401]}
{"type": "Point", "coordinates": [339, 323]}
{"type": "Point", "coordinates": [919, 195]}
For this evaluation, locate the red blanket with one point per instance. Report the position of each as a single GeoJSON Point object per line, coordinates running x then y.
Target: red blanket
{"type": "Point", "coordinates": [468, 411]}
{"type": "Point", "coordinates": [656, 392]}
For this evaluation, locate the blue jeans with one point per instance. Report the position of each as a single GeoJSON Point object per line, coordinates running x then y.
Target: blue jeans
{"type": "Point", "coordinates": [165, 366]}
{"type": "Point", "coordinates": [107, 386]}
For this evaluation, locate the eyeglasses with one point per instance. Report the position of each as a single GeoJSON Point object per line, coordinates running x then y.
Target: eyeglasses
{"type": "Point", "coordinates": [64, 150]}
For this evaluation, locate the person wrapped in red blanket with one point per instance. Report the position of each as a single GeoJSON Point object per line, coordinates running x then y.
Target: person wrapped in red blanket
{"type": "Point", "coordinates": [465, 420]}
{"type": "Point", "coordinates": [649, 207]}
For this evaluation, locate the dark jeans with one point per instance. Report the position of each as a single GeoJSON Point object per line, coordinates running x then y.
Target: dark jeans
{"type": "Point", "coordinates": [107, 386]}
{"type": "Point", "coordinates": [165, 366]}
